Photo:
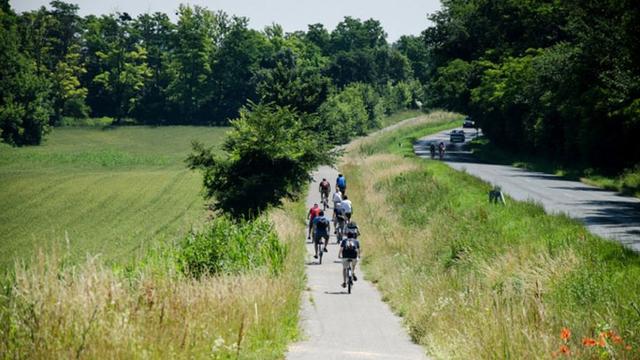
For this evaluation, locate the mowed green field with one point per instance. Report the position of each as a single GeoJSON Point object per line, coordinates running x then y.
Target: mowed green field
{"type": "Point", "coordinates": [108, 191]}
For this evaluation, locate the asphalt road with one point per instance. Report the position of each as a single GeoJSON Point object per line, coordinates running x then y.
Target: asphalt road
{"type": "Point", "coordinates": [604, 213]}
{"type": "Point", "coordinates": [338, 325]}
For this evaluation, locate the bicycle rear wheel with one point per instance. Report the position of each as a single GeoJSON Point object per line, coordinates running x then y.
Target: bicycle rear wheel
{"type": "Point", "coordinates": [320, 252]}
{"type": "Point", "coordinates": [349, 282]}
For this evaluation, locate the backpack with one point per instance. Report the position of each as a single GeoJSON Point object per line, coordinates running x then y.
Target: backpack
{"type": "Point", "coordinates": [322, 225]}
{"type": "Point", "coordinates": [350, 251]}
{"type": "Point", "coordinates": [350, 245]}
{"type": "Point", "coordinates": [342, 182]}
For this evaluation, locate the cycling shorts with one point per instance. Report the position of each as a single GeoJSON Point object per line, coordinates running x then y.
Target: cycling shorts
{"type": "Point", "coordinates": [346, 261]}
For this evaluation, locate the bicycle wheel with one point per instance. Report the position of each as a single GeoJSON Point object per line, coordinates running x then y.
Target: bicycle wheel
{"type": "Point", "coordinates": [320, 252]}
{"type": "Point", "coordinates": [349, 280]}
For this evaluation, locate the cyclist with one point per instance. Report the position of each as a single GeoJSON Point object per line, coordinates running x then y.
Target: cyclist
{"type": "Point", "coordinates": [325, 189]}
{"type": "Point", "coordinates": [441, 149]}
{"type": "Point", "coordinates": [349, 253]}
{"type": "Point", "coordinates": [432, 149]}
{"type": "Point", "coordinates": [322, 226]}
{"type": "Point", "coordinates": [341, 183]}
{"type": "Point", "coordinates": [313, 212]}
{"type": "Point", "coordinates": [347, 208]}
{"type": "Point", "coordinates": [352, 228]}
{"type": "Point", "coordinates": [337, 198]}
{"type": "Point", "coordinates": [338, 218]}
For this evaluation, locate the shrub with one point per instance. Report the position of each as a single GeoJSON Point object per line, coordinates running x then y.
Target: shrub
{"type": "Point", "coordinates": [271, 153]}
{"type": "Point", "coordinates": [230, 247]}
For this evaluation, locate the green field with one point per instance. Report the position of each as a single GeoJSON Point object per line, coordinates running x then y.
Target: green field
{"type": "Point", "coordinates": [108, 191]}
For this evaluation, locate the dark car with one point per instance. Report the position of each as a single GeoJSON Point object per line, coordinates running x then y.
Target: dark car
{"type": "Point", "coordinates": [468, 123]}
{"type": "Point", "coordinates": [456, 136]}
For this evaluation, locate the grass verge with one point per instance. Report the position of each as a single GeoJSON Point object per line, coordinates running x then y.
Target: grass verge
{"type": "Point", "coordinates": [474, 280]}
{"type": "Point", "coordinates": [51, 309]}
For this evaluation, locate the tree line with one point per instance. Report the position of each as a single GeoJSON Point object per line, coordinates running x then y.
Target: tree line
{"type": "Point", "coordinates": [559, 79]}
{"type": "Point", "coordinates": [200, 70]}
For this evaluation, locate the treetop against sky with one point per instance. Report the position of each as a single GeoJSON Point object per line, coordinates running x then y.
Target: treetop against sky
{"type": "Point", "coordinates": [400, 17]}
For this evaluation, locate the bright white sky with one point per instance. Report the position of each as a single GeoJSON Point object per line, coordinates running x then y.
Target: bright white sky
{"type": "Point", "coordinates": [398, 17]}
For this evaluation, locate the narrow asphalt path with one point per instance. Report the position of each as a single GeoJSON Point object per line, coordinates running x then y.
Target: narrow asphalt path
{"type": "Point", "coordinates": [605, 213]}
{"type": "Point", "coordinates": [338, 325]}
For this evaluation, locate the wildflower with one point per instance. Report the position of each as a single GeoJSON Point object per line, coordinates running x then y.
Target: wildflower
{"type": "Point", "coordinates": [565, 334]}
{"type": "Point", "coordinates": [628, 347]}
{"type": "Point", "coordinates": [616, 339]}
{"type": "Point", "coordinates": [564, 349]}
{"type": "Point", "coordinates": [588, 342]}
{"type": "Point", "coordinates": [602, 342]}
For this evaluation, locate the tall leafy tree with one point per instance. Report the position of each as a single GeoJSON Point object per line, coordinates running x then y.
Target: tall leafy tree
{"type": "Point", "coordinates": [124, 70]}
{"type": "Point", "coordinates": [236, 61]}
{"type": "Point", "coordinates": [191, 62]}
{"type": "Point", "coordinates": [156, 33]}
{"type": "Point", "coordinates": [24, 92]}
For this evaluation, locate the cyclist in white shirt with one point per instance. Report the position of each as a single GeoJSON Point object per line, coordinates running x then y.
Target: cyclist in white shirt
{"type": "Point", "coordinates": [337, 198]}
{"type": "Point", "coordinates": [347, 208]}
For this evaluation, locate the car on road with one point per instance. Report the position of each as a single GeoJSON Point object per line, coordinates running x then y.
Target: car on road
{"type": "Point", "coordinates": [456, 136]}
{"type": "Point", "coordinates": [468, 123]}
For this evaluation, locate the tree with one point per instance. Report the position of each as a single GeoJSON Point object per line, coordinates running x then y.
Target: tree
{"type": "Point", "coordinates": [270, 154]}
{"type": "Point", "coordinates": [290, 80]}
{"type": "Point", "coordinates": [70, 94]}
{"type": "Point", "coordinates": [236, 61]}
{"type": "Point", "coordinates": [156, 34]}
{"type": "Point", "coordinates": [24, 105]}
{"type": "Point", "coordinates": [190, 88]}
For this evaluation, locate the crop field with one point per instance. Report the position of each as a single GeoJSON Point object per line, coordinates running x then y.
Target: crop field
{"type": "Point", "coordinates": [100, 191]}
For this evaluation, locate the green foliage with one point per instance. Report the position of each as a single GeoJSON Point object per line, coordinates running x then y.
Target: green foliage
{"type": "Point", "coordinates": [450, 87]}
{"type": "Point", "coordinates": [200, 69]}
{"type": "Point", "coordinates": [228, 247]}
{"type": "Point", "coordinates": [344, 115]}
{"type": "Point", "coordinates": [359, 108]}
{"type": "Point", "coordinates": [124, 71]}
{"type": "Point", "coordinates": [24, 103]}
{"type": "Point", "coordinates": [237, 59]}
{"type": "Point", "coordinates": [289, 80]}
{"type": "Point", "coordinates": [190, 66]}
{"type": "Point", "coordinates": [549, 78]}
{"type": "Point", "coordinates": [270, 154]}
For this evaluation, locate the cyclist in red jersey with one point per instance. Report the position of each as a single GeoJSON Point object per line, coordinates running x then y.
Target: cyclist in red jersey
{"type": "Point", "coordinates": [313, 212]}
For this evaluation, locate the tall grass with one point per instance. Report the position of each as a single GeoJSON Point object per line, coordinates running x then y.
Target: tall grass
{"type": "Point", "coordinates": [50, 309]}
{"type": "Point", "coordinates": [475, 280]}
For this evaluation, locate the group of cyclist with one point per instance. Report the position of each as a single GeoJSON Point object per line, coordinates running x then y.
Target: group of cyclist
{"type": "Point", "coordinates": [441, 149]}
{"type": "Point", "coordinates": [345, 229]}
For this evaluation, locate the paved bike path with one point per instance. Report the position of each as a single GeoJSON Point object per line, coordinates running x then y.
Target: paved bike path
{"type": "Point", "coordinates": [338, 325]}
{"type": "Point", "coordinates": [604, 213]}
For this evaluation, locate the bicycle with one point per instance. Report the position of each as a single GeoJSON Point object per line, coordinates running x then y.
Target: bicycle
{"type": "Point", "coordinates": [350, 276]}
{"type": "Point", "coordinates": [318, 247]}
{"type": "Point", "coordinates": [340, 227]}
{"type": "Point", "coordinates": [325, 201]}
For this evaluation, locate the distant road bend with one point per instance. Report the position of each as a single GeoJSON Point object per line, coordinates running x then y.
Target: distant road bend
{"type": "Point", "coordinates": [604, 213]}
